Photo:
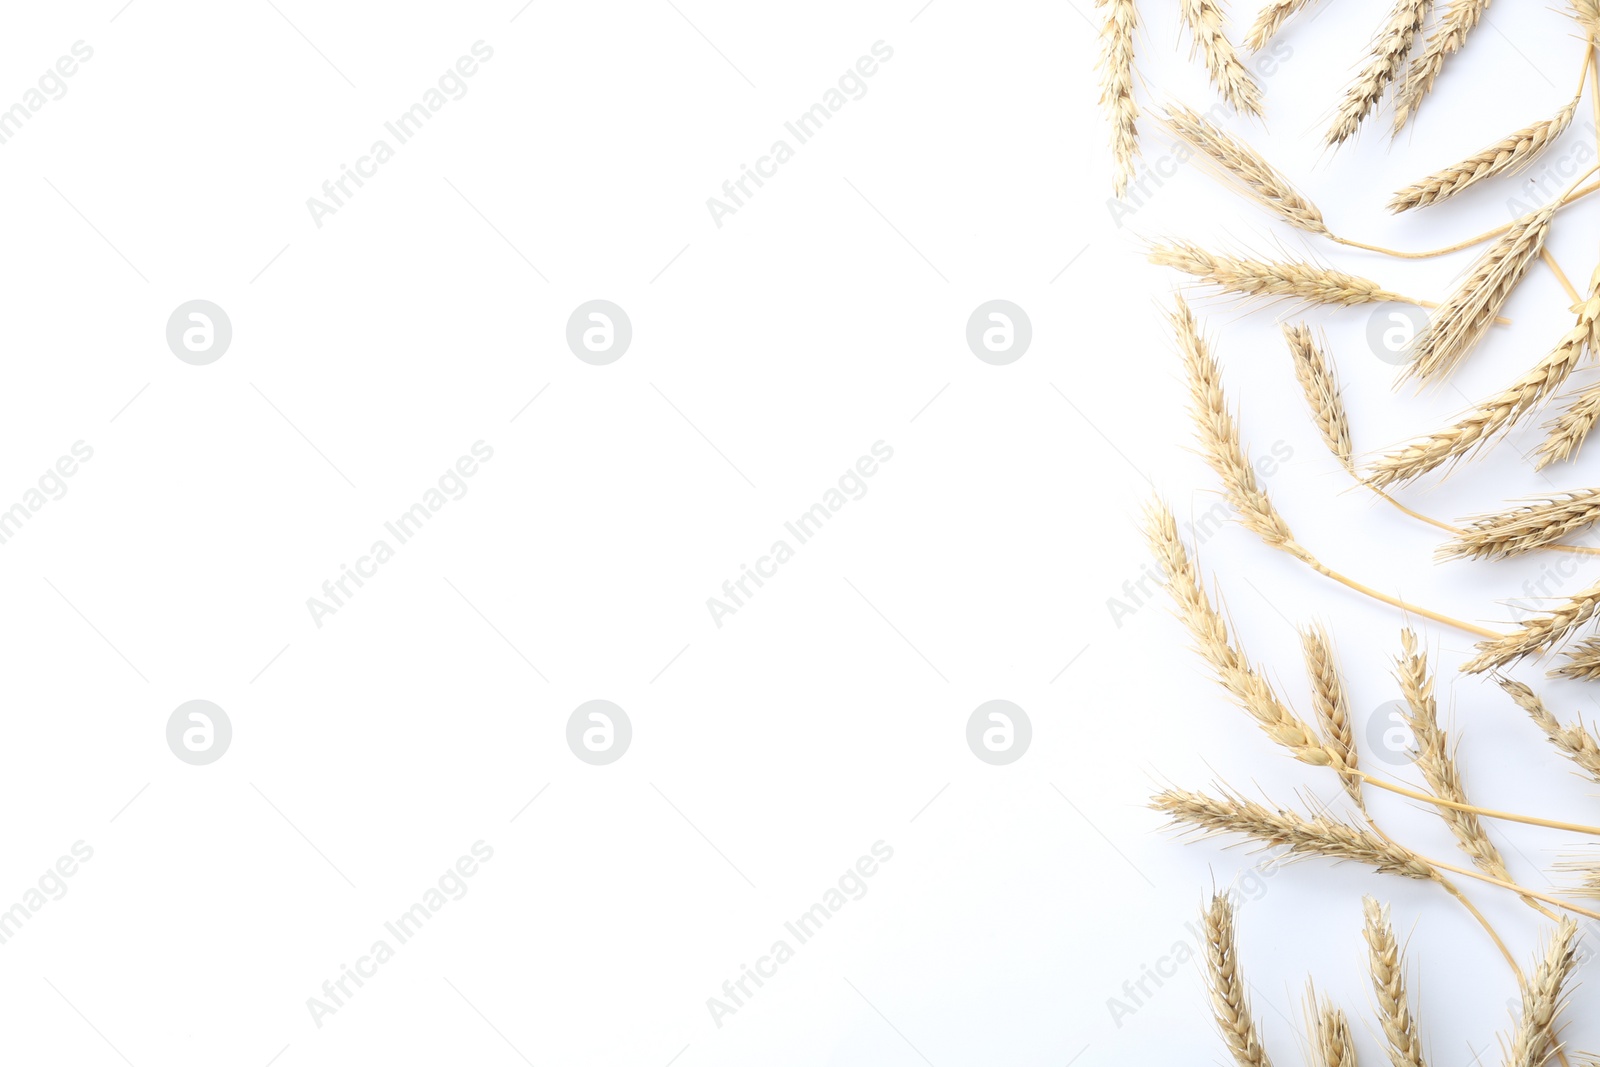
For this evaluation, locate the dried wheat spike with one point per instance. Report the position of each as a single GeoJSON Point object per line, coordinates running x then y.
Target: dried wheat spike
{"type": "Point", "coordinates": [1445, 40]}
{"type": "Point", "coordinates": [1587, 12]}
{"type": "Point", "coordinates": [1246, 169]}
{"type": "Point", "coordinates": [1332, 705]}
{"type": "Point", "coordinates": [1388, 982]}
{"type": "Point", "coordinates": [1219, 435]}
{"type": "Point", "coordinates": [1574, 742]}
{"type": "Point", "coordinates": [1272, 280]}
{"type": "Point", "coordinates": [1228, 74]}
{"type": "Point", "coordinates": [1566, 433]}
{"type": "Point", "coordinates": [1319, 836]}
{"type": "Point", "coordinates": [1230, 1005]}
{"type": "Point", "coordinates": [1538, 635]}
{"type": "Point", "coordinates": [1461, 320]}
{"type": "Point", "coordinates": [1506, 156]}
{"type": "Point", "coordinates": [1330, 1036]}
{"type": "Point", "coordinates": [1583, 661]}
{"type": "Point", "coordinates": [1315, 373]}
{"type": "Point", "coordinates": [1387, 57]}
{"type": "Point", "coordinates": [1472, 431]}
{"type": "Point", "coordinates": [1248, 688]}
{"type": "Point", "coordinates": [1436, 762]}
{"type": "Point", "coordinates": [1526, 527]}
{"type": "Point", "coordinates": [1536, 1039]}
{"type": "Point", "coordinates": [1269, 20]}
{"type": "Point", "coordinates": [1116, 86]}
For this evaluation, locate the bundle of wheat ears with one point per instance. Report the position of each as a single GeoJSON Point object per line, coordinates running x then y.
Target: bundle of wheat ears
{"type": "Point", "coordinates": [1408, 50]}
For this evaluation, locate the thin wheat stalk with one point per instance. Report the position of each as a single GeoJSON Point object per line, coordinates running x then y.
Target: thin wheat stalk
{"type": "Point", "coordinates": [1269, 20]}
{"type": "Point", "coordinates": [1537, 524]}
{"type": "Point", "coordinates": [1538, 634]}
{"type": "Point", "coordinates": [1332, 706]}
{"type": "Point", "coordinates": [1228, 74]}
{"type": "Point", "coordinates": [1386, 57]}
{"type": "Point", "coordinates": [1566, 433]}
{"type": "Point", "coordinates": [1389, 985]}
{"type": "Point", "coordinates": [1506, 156]}
{"type": "Point", "coordinates": [1453, 443]}
{"type": "Point", "coordinates": [1582, 661]}
{"type": "Point", "coordinates": [1247, 171]}
{"type": "Point", "coordinates": [1116, 86]}
{"type": "Point", "coordinates": [1445, 40]}
{"type": "Point", "coordinates": [1437, 764]}
{"type": "Point", "coordinates": [1248, 688]}
{"type": "Point", "coordinates": [1536, 1038]}
{"type": "Point", "coordinates": [1574, 742]}
{"type": "Point", "coordinates": [1230, 1005]}
{"type": "Point", "coordinates": [1464, 317]}
{"type": "Point", "coordinates": [1321, 388]}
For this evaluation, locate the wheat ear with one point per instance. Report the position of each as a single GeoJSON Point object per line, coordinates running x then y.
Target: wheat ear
{"type": "Point", "coordinates": [1321, 388]}
{"type": "Point", "coordinates": [1388, 983]}
{"type": "Point", "coordinates": [1247, 171]}
{"type": "Point", "coordinates": [1436, 762]}
{"type": "Point", "coordinates": [1574, 742]}
{"type": "Point", "coordinates": [1269, 20]}
{"type": "Point", "coordinates": [1536, 524]}
{"type": "Point", "coordinates": [1506, 156]}
{"type": "Point", "coordinates": [1228, 74]}
{"type": "Point", "coordinates": [1116, 86]}
{"type": "Point", "coordinates": [1536, 1038]}
{"type": "Point", "coordinates": [1445, 40]}
{"type": "Point", "coordinates": [1230, 1005]}
{"type": "Point", "coordinates": [1582, 661]}
{"type": "Point", "coordinates": [1499, 412]}
{"type": "Point", "coordinates": [1292, 280]}
{"type": "Point", "coordinates": [1386, 57]}
{"type": "Point", "coordinates": [1565, 434]}
{"type": "Point", "coordinates": [1332, 706]}
{"type": "Point", "coordinates": [1538, 635]}
{"type": "Point", "coordinates": [1330, 1035]}
{"type": "Point", "coordinates": [1465, 315]}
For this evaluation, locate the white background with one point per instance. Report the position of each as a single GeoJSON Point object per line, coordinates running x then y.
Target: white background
{"type": "Point", "coordinates": [768, 355]}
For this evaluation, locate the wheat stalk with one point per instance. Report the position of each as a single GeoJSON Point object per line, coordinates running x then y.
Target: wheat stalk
{"type": "Point", "coordinates": [1388, 983]}
{"type": "Point", "coordinates": [1386, 57]}
{"type": "Point", "coordinates": [1315, 374]}
{"type": "Point", "coordinates": [1228, 74]}
{"type": "Point", "coordinates": [1506, 156]}
{"type": "Point", "coordinates": [1436, 762]}
{"type": "Point", "coordinates": [1116, 86]}
{"type": "Point", "coordinates": [1247, 170]}
{"type": "Point", "coordinates": [1524, 528]}
{"type": "Point", "coordinates": [1445, 40]}
{"type": "Point", "coordinates": [1230, 1005]}
{"type": "Point", "coordinates": [1535, 1039]}
{"type": "Point", "coordinates": [1465, 315]}
{"type": "Point", "coordinates": [1472, 431]}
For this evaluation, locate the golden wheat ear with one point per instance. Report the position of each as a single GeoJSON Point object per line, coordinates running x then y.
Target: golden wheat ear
{"type": "Point", "coordinates": [1506, 156]}
{"type": "Point", "coordinates": [1537, 1038]}
{"type": "Point", "coordinates": [1388, 985]}
{"type": "Point", "coordinates": [1228, 74]}
{"type": "Point", "coordinates": [1230, 1004]}
{"type": "Point", "coordinates": [1116, 86]}
{"type": "Point", "coordinates": [1446, 39]}
{"type": "Point", "coordinates": [1537, 524]}
{"type": "Point", "coordinates": [1314, 371]}
{"type": "Point", "coordinates": [1386, 59]}
{"type": "Point", "coordinates": [1574, 742]}
{"type": "Point", "coordinates": [1245, 169]}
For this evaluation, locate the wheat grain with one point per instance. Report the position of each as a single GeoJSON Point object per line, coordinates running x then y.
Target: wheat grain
{"type": "Point", "coordinates": [1436, 762]}
{"type": "Point", "coordinates": [1536, 524]}
{"type": "Point", "coordinates": [1228, 74]}
{"type": "Point", "coordinates": [1473, 431]}
{"type": "Point", "coordinates": [1466, 314]}
{"type": "Point", "coordinates": [1388, 983]}
{"type": "Point", "coordinates": [1536, 1039]}
{"type": "Point", "coordinates": [1246, 169]}
{"type": "Point", "coordinates": [1506, 156]}
{"type": "Point", "coordinates": [1234, 672]}
{"type": "Point", "coordinates": [1574, 742]}
{"type": "Point", "coordinates": [1116, 86]}
{"type": "Point", "coordinates": [1445, 40]}
{"type": "Point", "coordinates": [1230, 1005]}
{"type": "Point", "coordinates": [1387, 56]}
{"type": "Point", "coordinates": [1332, 706]}
{"type": "Point", "coordinates": [1318, 836]}
{"type": "Point", "coordinates": [1315, 374]}
{"type": "Point", "coordinates": [1272, 280]}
